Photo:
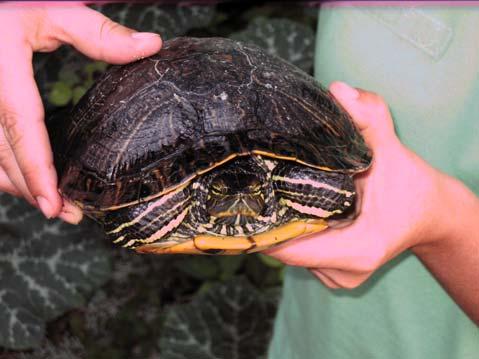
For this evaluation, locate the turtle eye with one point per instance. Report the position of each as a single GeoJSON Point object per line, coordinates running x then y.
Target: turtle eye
{"type": "Point", "coordinates": [255, 189]}
{"type": "Point", "coordinates": [145, 190]}
{"type": "Point", "coordinates": [218, 188]}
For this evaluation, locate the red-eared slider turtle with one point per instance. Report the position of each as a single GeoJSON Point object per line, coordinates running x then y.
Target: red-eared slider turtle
{"type": "Point", "coordinates": [210, 146]}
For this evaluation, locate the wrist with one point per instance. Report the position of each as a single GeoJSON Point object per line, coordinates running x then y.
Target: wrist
{"type": "Point", "coordinates": [454, 217]}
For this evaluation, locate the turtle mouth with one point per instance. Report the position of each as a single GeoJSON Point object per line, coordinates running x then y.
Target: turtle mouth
{"type": "Point", "coordinates": [243, 205]}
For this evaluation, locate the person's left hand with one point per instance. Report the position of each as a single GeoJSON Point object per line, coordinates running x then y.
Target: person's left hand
{"type": "Point", "coordinates": [400, 204]}
{"type": "Point", "coordinates": [26, 161]}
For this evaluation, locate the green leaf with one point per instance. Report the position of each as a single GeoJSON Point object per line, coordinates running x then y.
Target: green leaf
{"type": "Point", "coordinates": [46, 269]}
{"type": "Point", "coordinates": [206, 286]}
{"type": "Point", "coordinates": [199, 267]}
{"type": "Point", "coordinates": [67, 348]}
{"type": "Point", "coordinates": [91, 69]}
{"type": "Point", "coordinates": [78, 93]}
{"type": "Point", "coordinates": [69, 77]}
{"type": "Point", "coordinates": [270, 261]}
{"type": "Point", "coordinates": [60, 94]}
{"type": "Point", "coordinates": [95, 66]}
{"type": "Point", "coordinates": [229, 265]}
{"type": "Point", "coordinates": [231, 320]}
{"type": "Point", "coordinates": [285, 38]}
{"type": "Point", "coordinates": [169, 21]}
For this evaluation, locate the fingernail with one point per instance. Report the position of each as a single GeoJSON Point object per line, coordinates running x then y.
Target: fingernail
{"type": "Point", "coordinates": [144, 35]}
{"type": "Point", "coordinates": [45, 206]}
{"type": "Point", "coordinates": [348, 91]}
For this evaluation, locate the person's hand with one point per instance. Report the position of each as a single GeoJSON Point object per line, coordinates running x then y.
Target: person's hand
{"type": "Point", "coordinates": [405, 204]}
{"type": "Point", "coordinates": [402, 204]}
{"type": "Point", "coordinates": [26, 163]}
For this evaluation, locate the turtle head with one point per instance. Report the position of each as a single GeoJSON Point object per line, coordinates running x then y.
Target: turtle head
{"type": "Point", "coordinates": [237, 189]}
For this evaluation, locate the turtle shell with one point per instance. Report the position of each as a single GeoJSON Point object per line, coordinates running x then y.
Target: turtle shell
{"type": "Point", "coordinates": [149, 126]}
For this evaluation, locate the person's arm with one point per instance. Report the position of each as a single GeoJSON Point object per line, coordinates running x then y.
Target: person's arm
{"type": "Point", "coordinates": [453, 254]}
{"type": "Point", "coordinates": [26, 161]}
{"type": "Point", "coordinates": [405, 204]}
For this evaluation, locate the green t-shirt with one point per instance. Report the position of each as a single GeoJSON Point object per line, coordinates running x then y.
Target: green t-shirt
{"type": "Point", "coordinates": [425, 62]}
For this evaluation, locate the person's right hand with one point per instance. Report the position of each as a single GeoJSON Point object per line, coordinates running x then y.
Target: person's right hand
{"type": "Point", "coordinates": [405, 204]}
{"type": "Point", "coordinates": [26, 162]}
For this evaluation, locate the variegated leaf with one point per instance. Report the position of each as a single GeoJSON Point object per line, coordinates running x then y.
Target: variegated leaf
{"type": "Point", "coordinates": [285, 38]}
{"type": "Point", "coordinates": [230, 320]}
{"type": "Point", "coordinates": [46, 268]}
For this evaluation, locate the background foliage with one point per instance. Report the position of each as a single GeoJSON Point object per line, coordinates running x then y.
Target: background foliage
{"type": "Point", "coordinates": [66, 293]}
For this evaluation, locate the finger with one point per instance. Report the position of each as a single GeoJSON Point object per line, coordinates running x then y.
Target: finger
{"type": "Point", "coordinates": [324, 279]}
{"type": "Point", "coordinates": [344, 279]}
{"type": "Point", "coordinates": [71, 213]}
{"type": "Point", "coordinates": [10, 173]}
{"type": "Point", "coordinates": [342, 248]}
{"type": "Point", "coordinates": [368, 110]}
{"type": "Point", "coordinates": [9, 165]}
{"type": "Point", "coordinates": [24, 129]}
{"type": "Point", "coordinates": [6, 185]}
{"type": "Point", "coordinates": [101, 38]}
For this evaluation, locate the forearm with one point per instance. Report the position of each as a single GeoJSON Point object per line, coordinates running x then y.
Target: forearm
{"type": "Point", "coordinates": [453, 255]}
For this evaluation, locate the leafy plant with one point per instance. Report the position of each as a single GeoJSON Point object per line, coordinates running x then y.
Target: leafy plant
{"type": "Point", "coordinates": [231, 320]}
{"type": "Point", "coordinates": [168, 20]}
{"type": "Point", "coordinates": [281, 37]}
{"type": "Point", "coordinates": [67, 348]}
{"type": "Point", "coordinates": [46, 268]}
{"type": "Point", "coordinates": [71, 85]}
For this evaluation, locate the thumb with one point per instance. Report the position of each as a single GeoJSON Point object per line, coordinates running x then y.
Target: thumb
{"type": "Point", "coordinates": [100, 38]}
{"type": "Point", "coordinates": [369, 112]}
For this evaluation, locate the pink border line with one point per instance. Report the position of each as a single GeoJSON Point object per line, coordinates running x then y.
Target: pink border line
{"type": "Point", "coordinates": [325, 3]}
{"type": "Point", "coordinates": [397, 3]}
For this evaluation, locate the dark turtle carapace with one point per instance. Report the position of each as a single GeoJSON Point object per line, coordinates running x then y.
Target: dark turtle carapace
{"type": "Point", "coordinates": [210, 146]}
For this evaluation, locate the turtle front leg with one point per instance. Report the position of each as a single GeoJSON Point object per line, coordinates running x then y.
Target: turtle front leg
{"type": "Point", "coordinates": [313, 192]}
{"type": "Point", "coordinates": [148, 222]}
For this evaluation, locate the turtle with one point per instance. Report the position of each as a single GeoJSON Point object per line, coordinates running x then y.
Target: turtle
{"type": "Point", "coordinates": [210, 146]}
